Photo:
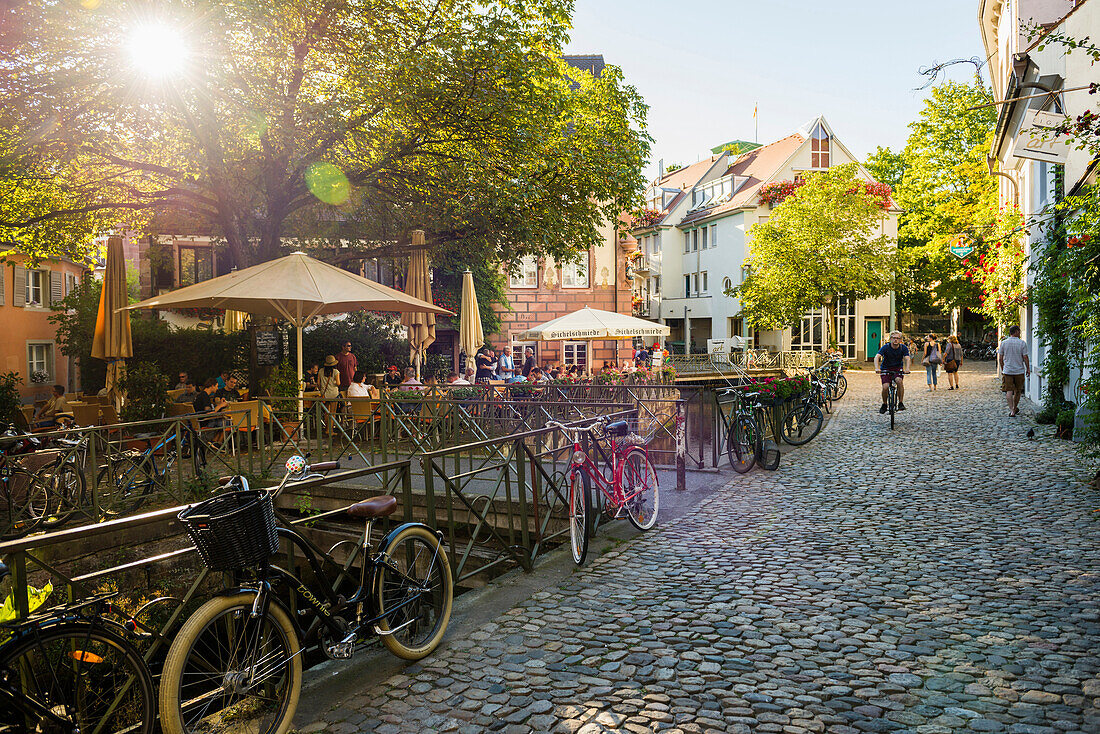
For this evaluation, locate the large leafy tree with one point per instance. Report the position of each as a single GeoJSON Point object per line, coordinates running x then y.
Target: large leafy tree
{"type": "Point", "coordinates": [943, 184]}
{"type": "Point", "coordinates": [823, 241]}
{"type": "Point", "coordinates": [321, 121]}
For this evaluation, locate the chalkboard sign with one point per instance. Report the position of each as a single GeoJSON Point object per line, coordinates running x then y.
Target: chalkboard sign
{"type": "Point", "coordinates": [269, 348]}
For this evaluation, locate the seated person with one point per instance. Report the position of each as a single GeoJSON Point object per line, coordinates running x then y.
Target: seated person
{"type": "Point", "coordinates": [48, 414]}
{"type": "Point", "coordinates": [310, 378]}
{"type": "Point", "coordinates": [410, 382]}
{"type": "Point", "coordinates": [188, 395]}
{"type": "Point", "coordinates": [538, 377]}
{"type": "Point", "coordinates": [206, 401]}
{"type": "Point", "coordinates": [359, 387]}
{"type": "Point", "coordinates": [431, 381]}
{"type": "Point", "coordinates": [230, 391]}
{"type": "Point", "coordinates": [555, 374]}
{"type": "Point", "coordinates": [454, 379]}
{"type": "Point", "coordinates": [223, 379]}
{"type": "Point", "coordinates": [393, 376]}
{"type": "Point", "coordinates": [184, 380]}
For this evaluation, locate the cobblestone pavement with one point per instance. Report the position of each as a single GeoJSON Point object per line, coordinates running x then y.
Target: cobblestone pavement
{"type": "Point", "coordinates": [940, 578]}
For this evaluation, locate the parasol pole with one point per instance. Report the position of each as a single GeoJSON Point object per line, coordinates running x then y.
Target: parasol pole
{"type": "Point", "coordinates": [301, 374]}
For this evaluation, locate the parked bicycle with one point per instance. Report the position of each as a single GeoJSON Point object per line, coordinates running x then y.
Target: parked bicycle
{"type": "Point", "coordinates": [129, 478]}
{"type": "Point", "coordinates": [236, 662]}
{"type": "Point", "coordinates": [70, 669]}
{"type": "Point", "coordinates": [626, 481]}
{"type": "Point", "coordinates": [24, 493]}
{"type": "Point", "coordinates": [803, 421]}
{"type": "Point", "coordinates": [744, 434]}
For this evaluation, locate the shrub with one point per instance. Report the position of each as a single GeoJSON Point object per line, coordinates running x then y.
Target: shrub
{"type": "Point", "coordinates": [282, 382]}
{"type": "Point", "coordinates": [9, 396]}
{"type": "Point", "coordinates": [1046, 416]}
{"type": "Point", "coordinates": [1065, 419]}
{"type": "Point", "coordinates": [146, 388]}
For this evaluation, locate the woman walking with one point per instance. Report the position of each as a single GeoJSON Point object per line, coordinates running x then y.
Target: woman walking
{"type": "Point", "coordinates": [931, 360]}
{"type": "Point", "coordinates": [952, 360]}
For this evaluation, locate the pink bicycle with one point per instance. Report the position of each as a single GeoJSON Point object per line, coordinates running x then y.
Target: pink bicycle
{"type": "Point", "coordinates": [631, 487]}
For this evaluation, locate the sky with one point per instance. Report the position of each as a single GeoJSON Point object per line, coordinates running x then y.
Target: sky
{"type": "Point", "coordinates": [703, 65]}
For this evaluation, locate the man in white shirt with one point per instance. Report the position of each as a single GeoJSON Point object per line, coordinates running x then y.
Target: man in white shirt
{"type": "Point", "coordinates": [1014, 364]}
{"type": "Point", "coordinates": [454, 379]}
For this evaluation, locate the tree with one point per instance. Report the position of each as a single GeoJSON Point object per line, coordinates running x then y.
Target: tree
{"type": "Point", "coordinates": [324, 122]}
{"type": "Point", "coordinates": [886, 166]}
{"type": "Point", "coordinates": [823, 241]}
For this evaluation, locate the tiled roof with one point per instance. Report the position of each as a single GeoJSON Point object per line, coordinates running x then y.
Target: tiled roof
{"type": "Point", "coordinates": [759, 165]}
{"type": "Point", "coordinates": [593, 63]}
{"type": "Point", "coordinates": [688, 176]}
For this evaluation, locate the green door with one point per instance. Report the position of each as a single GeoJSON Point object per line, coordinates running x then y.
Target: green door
{"type": "Point", "coordinates": [874, 338]}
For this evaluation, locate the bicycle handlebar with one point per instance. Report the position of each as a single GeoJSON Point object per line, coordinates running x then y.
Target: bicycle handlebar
{"type": "Point", "coordinates": [598, 423]}
{"type": "Point", "coordinates": [323, 466]}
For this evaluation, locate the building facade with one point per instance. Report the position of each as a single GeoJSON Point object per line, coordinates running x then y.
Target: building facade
{"type": "Point", "coordinates": [697, 234]}
{"type": "Point", "coordinates": [28, 340]}
{"type": "Point", "coordinates": [1028, 80]}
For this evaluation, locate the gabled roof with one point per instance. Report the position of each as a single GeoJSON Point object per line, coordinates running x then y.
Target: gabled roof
{"type": "Point", "coordinates": [688, 176]}
{"type": "Point", "coordinates": [758, 166]}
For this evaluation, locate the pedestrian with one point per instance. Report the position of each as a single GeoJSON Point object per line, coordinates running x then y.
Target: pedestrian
{"type": "Point", "coordinates": [528, 361]}
{"type": "Point", "coordinates": [1015, 367]}
{"type": "Point", "coordinates": [931, 361]}
{"type": "Point", "coordinates": [506, 367]}
{"type": "Point", "coordinates": [328, 384]}
{"type": "Point", "coordinates": [347, 364]}
{"type": "Point", "coordinates": [952, 360]}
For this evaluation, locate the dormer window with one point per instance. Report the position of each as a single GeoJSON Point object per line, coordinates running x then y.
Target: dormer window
{"type": "Point", "coordinates": [819, 147]}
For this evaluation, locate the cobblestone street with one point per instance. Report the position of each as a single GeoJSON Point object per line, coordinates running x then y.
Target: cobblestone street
{"type": "Point", "coordinates": [943, 577]}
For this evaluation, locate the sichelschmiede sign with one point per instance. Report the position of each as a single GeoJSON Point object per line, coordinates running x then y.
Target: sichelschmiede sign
{"type": "Point", "coordinates": [960, 247]}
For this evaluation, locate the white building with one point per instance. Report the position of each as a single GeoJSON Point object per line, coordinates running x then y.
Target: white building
{"type": "Point", "coordinates": [1022, 75]}
{"type": "Point", "coordinates": [696, 246]}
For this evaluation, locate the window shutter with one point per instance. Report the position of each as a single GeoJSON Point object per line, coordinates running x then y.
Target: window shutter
{"type": "Point", "coordinates": [57, 285]}
{"type": "Point", "coordinates": [20, 286]}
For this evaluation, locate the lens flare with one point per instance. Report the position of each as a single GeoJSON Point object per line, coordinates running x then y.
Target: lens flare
{"type": "Point", "coordinates": [157, 49]}
{"type": "Point", "coordinates": [328, 183]}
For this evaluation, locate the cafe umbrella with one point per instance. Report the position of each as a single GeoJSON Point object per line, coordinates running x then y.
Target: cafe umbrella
{"type": "Point", "coordinates": [297, 288]}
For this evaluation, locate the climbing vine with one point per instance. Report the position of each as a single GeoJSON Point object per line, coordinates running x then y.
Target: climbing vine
{"type": "Point", "coordinates": [998, 271]}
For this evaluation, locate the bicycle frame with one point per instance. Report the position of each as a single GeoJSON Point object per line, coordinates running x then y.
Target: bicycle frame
{"type": "Point", "coordinates": [612, 489]}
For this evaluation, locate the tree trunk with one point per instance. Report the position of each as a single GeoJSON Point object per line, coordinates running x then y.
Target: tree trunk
{"type": "Point", "coordinates": [827, 326]}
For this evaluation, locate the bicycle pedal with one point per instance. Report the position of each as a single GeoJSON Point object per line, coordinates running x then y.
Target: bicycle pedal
{"type": "Point", "coordinates": [339, 650]}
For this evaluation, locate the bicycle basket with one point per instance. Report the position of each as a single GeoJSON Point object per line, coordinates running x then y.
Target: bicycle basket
{"type": "Point", "coordinates": [233, 530]}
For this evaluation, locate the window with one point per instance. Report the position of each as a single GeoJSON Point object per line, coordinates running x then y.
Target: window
{"type": "Point", "coordinates": [517, 352]}
{"type": "Point", "coordinates": [808, 334]}
{"type": "Point", "coordinates": [687, 286]}
{"type": "Point", "coordinates": [713, 236]}
{"type": "Point", "coordinates": [726, 284]}
{"type": "Point", "coordinates": [196, 265]}
{"type": "Point", "coordinates": [36, 280]}
{"type": "Point", "coordinates": [694, 240]}
{"type": "Point", "coordinates": [655, 288]}
{"type": "Point", "coordinates": [577, 353]}
{"type": "Point", "coordinates": [575, 275]}
{"type": "Point", "coordinates": [695, 283]}
{"type": "Point", "coordinates": [70, 283]}
{"type": "Point", "coordinates": [526, 275]}
{"type": "Point", "coordinates": [703, 282]}
{"type": "Point", "coordinates": [704, 238]}
{"type": "Point", "coordinates": [819, 148]}
{"type": "Point", "coordinates": [656, 243]}
{"type": "Point", "coordinates": [40, 359]}
{"type": "Point", "coordinates": [687, 241]}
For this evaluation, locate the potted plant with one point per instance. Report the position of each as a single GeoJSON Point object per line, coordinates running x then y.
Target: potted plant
{"type": "Point", "coordinates": [9, 397]}
{"type": "Point", "coordinates": [1064, 424]}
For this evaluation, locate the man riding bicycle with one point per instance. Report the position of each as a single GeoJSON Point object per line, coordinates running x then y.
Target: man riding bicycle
{"type": "Point", "coordinates": [892, 361]}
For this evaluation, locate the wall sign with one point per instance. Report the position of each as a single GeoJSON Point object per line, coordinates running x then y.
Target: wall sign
{"type": "Point", "coordinates": [1037, 141]}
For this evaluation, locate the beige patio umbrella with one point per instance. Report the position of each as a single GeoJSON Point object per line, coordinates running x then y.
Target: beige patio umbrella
{"type": "Point", "coordinates": [297, 288]}
{"type": "Point", "coordinates": [590, 324]}
{"type": "Point", "coordinates": [234, 320]}
{"type": "Point", "coordinates": [470, 334]}
{"type": "Point", "coordinates": [418, 284]}
{"type": "Point", "coordinates": [111, 341]}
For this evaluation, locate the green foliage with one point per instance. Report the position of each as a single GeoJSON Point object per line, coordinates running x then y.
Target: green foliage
{"type": "Point", "coordinates": [281, 382]}
{"type": "Point", "coordinates": [886, 166]}
{"type": "Point", "coordinates": [489, 287]}
{"type": "Point", "coordinates": [465, 393]}
{"type": "Point", "coordinates": [820, 242]}
{"type": "Point", "coordinates": [146, 388]}
{"type": "Point", "coordinates": [377, 341]}
{"type": "Point", "coordinates": [346, 121]}
{"type": "Point", "coordinates": [1064, 419]}
{"type": "Point", "coordinates": [9, 397]}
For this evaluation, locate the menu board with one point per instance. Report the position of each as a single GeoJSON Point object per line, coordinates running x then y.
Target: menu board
{"type": "Point", "coordinates": [268, 346]}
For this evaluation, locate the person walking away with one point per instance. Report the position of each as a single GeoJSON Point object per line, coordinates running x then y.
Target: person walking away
{"type": "Point", "coordinates": [931, 361]}
{"type": "Point", "coordinates": [347, 364]}
{"type": "Point", "coordinates": [952, 361]}
{"type": "Point", "coordinates": [893, 358]}
{"type": "Point", "coordinates": [1015, 366]}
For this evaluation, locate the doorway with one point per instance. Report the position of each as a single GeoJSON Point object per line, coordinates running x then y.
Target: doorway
{"type": "Point", "coordinates": [874, 337]}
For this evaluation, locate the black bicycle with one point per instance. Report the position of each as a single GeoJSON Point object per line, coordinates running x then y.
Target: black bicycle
{"type": "Point", "coordinates": [744, 434]}
{"type": "Point", "coordinates": [70, 670]}
{"type": "Point", "coordinates": [236, 662]}
{"type": "Point", "coordinates": [892, 393]}
{"type": "Point", "coordinates": [129, 478]}
{"type": "Point", "coordinates": [804, 420]}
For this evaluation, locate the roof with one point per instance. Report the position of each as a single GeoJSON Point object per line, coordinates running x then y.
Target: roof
{"type": "Point", "coordinates": [592, 63]}
{"type": "Point", "coordinates": [758, 165]}
{"type": "Point", "coordinates": [688, 176]}
{"type": "Point", "coordinates": [735, 147]}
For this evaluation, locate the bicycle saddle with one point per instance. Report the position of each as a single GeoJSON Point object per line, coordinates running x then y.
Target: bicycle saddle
{"type": "Point", "coordinates": [618, 428]}
{"type": "Point", "coordinates": [374, 507]}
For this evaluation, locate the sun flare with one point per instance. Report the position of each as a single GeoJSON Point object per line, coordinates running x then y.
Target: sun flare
{"type": "Point", "coordinates": [157, 49]}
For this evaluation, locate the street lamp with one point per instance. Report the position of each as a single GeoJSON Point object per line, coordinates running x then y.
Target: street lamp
{"type": "Point", "coordinates": [157, 49]}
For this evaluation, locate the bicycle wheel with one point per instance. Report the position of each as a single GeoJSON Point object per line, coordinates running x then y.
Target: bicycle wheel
{"type": "Point", "coordinates": [802, 424]}
{"type": "Point", "coordinates": [641, 496]}
{"type": "Point", "coordinates": [839, 387]}
{"type": "Point", "coordinates": [124, 485]}
{"type": "Point", "coordinates": [580, 506]}
{"type": "Point", "coordinates": [67, 495]}
{"type": "Point", "coordinates": [741, 444]}
{"type": "Point", "coordinates": [227, 672]}
{"type": "Point", "coordinates": [414, 591]}
{"type": "Point", "coordinates": [24, 503]}
{"type": "Point", "coordinates": [88, 676]}
{"type": "Point", "coordinates": [893, 404]}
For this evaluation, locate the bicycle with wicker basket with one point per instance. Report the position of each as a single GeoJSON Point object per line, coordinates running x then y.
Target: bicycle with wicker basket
{"type": "Point", "coordinates": [236, 664]}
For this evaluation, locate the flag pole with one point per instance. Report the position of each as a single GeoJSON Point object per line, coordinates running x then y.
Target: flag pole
{"type": "Point", "coordinates": [756, 124]}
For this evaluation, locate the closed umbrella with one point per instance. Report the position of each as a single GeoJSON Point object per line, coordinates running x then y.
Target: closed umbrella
{"type": "Point", "coordinates": [470, 334]}
{"type": "Point", "coordinates": [297, 288]}
{"type": "Point", "coordinates": [418, 284]}
{"type": "Point", "coordinates": [111, 341]}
